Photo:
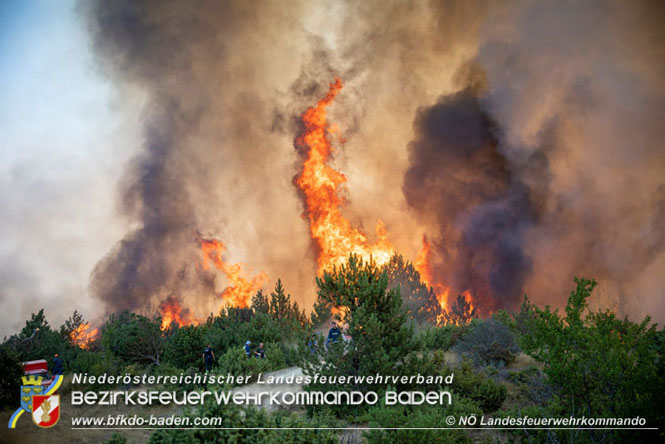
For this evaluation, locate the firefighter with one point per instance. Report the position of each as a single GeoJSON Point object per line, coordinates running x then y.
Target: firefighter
{"type": "Point", "coordinates": [57, 364]}
{"type": "Point", "coordinates": [333, 334]}
{"type": "Point", "coordinates": [312, 344]}
{"type": "Point", "coordinates": [208, 357]}
{"type": "Point", "coordinates": [260, 353]}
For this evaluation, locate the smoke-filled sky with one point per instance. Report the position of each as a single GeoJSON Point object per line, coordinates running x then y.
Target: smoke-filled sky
{"type": "Point", "coordinates": [524, 139]}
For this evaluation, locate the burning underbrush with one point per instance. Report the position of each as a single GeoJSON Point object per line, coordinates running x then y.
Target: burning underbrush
{"type": "Point", "coordinates": [82, 336]}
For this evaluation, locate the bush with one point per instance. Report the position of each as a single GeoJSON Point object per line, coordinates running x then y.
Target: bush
{"type": "Point", "coordinates": [10, 377]}
{"type": "Point", "coordinates": [442, 338]}
{"type": "Point", "coordinates": [235, 361]}
{"type": "Point", "coordinates": [184, 348]}
{"type": "Point", "coordinates": [401, 416]}
{"type": "Point", "coordinates": [485, 392]}
{"type": "Point", "coordinates": [133, 338]}
{"type": "Point", "coordinates": [77, 360]}
{"type": "Point", "coordinates": [237, 424]}
{"type": "Point", "coordinates": [600, 366]}
{"type": "Point", "coordinates": [117, 438]}
{"type": "Point", "coordinates": [531, 385]}
{"type": "Point", "coordinates": [489, 343]}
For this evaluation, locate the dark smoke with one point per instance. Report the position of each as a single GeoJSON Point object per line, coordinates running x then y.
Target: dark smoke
{"type": "Point", "coordinates": [459, 181]}
{"type": "Point", "coordinates": [547, 165]}
{"type": "Point", "coordinates": [158, 45]}
{"type": "Point", "coordinates": [213, 160]}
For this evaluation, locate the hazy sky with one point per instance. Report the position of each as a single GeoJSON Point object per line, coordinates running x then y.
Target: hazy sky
{"type": "Point", "coordinates": [59, 127]}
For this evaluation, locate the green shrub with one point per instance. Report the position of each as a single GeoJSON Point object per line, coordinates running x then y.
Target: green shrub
{"type": "Point", "coordinates": [426, 416]}
{"type": "Point", "coordinates": [184, 347]}
{"type": "Point", "coordinates": [10, 377]}
{"type": "Point", "coordinates": [531, 386]}
{"type": "Point", "coordinates": [600, 366]}
{"type": "Point", "coordinates": [488, 394]}
{"type": "Point", "coordinates": [440, 338]}
{"type": "Point", "coordinates": [245, 419]}
{"type": "Point", "coordinates": [77, 360]}
{"type": "Point", "coordinates": [235, 362]}
{"type": "Point", "coordinates": [489, 343]}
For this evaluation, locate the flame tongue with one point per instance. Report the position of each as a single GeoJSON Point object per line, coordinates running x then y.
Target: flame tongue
{"type": "Point", "coordinates": [423, 265]}
{"type": "Point", "coordinates": [240, 290]}
{"type": "Point", "coordinates": [82, 337]}
{"type": "Point", "coordinates": [320, 184]}
{"type": "Point", "coordinates": [172, 311]}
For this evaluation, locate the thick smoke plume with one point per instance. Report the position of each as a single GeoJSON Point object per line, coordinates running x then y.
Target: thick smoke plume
{"type": "Point", "coordinates": [210, 162]}
{"type": "Point", "coordinates": [524, 139]}
{"type": "Point", "coordinates": [459, 179]}
{"type": "Point", "coordinates": [549, 166]}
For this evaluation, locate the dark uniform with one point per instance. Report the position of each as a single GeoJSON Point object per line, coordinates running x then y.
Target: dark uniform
{"type": "Point", "coordinates": [334, 334]}
{"type": "Point", "coordinates": [57, 365]}
{"type": "Point", "coordinates": [208, 357]}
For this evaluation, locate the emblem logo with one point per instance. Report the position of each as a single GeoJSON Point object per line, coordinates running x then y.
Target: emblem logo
{"type": "Point", "coordinates": [40, 401]}
{"type": "Point", "coordinates": [31, 386]}
{"type": "Point", "coordinates": [45, 410]}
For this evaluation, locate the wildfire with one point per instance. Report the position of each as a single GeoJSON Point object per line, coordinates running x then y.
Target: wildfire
{"type": "Point", "coordinates": [172, 311]}
{"type": "Point", "coordinates": [82, 337]}
{"type": "Point", "coordinates": [240, 290]}
{"type": "Point", "coordinates": [469, 299]}
{"type": "Point", "coordinates": [321, 184]}
{"type": "Point", "coordinates": [443, 292]}
{"type": "Point", "coordinates": [422, 264]}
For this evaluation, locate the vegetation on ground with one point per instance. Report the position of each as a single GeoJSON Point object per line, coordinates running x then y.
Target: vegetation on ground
{"type": "Point", "coordinates": [536, 361]}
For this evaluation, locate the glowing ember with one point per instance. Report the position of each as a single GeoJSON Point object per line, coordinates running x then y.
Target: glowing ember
{"type": "Point", "coordinates": [240, 290]}
{"type": "Point", "coordinates": [81, 337]}
{"type": "Point", "coordinates": [321, 184]}
{"type": "Point", "coordinates": [172, 311]}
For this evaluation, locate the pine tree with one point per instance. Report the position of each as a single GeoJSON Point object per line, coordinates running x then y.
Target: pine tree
{"type": "Point", "coordinates": [280, 303]}
{"type": "Point", "coordinates": [260, 302]}
{"type": "Point", "coordinates": [418, 298]}
{"type": "Point", "coordinates": [297, 315]}
{"type": "Point", "coordinates": [71, 324]}
{"type": "Point", "coordinates": [37, 322]}
{"type": "Point", "coordinates": [460, 313]}
{"type": "Point", "coordinates": [380, 338]}
{"type": "Point", "coordinates": [322, 311]}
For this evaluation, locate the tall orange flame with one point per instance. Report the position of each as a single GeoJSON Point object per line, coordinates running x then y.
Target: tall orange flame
{"type": "Point", "coordinates": [321, 184]}
{"type": "Point", "coordinates": [172, 311]}
{"type": "Point", "coordinates": [240, 290]}
{"type": "Point", "coordinates": [81, 337]}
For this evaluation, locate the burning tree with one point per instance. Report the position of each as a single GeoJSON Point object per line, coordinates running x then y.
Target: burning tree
{"type": "Point", "coordinates": [78, 331]}
{"type": "Point", "coordinates": [461, 312]}
{"type": "Point", "coordinates": [321, 187]}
